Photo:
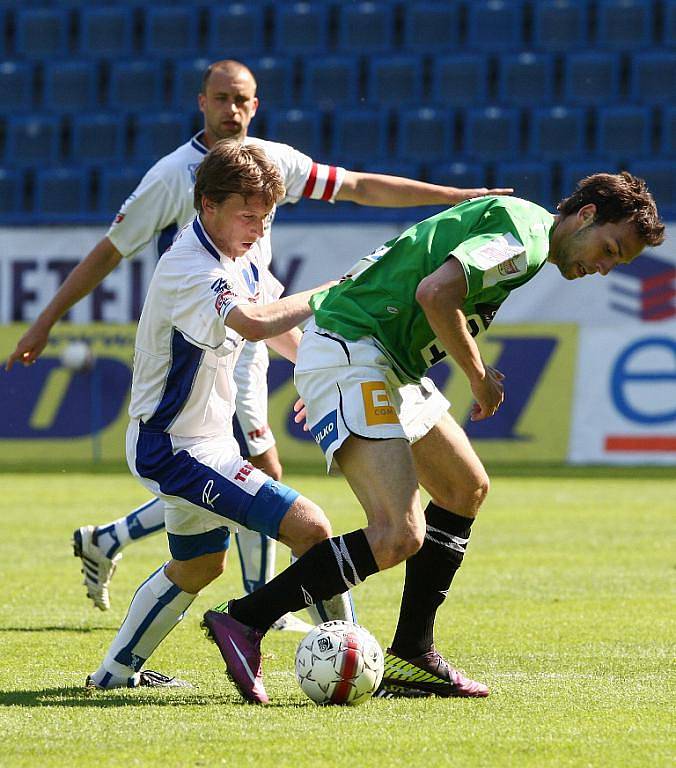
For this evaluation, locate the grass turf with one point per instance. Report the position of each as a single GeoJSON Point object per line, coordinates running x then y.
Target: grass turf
{"type": "Point", "coordinates": [562, 606]}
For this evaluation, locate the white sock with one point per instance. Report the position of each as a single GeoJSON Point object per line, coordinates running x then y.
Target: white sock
{"type": "Point", "coordinates": [257, 557]}
{"type": "Point", "coordinates": [143, 521]}
{"type": "Point", "coordinates": [156, 608]}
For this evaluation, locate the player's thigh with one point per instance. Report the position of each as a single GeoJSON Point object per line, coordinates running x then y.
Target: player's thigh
{"type": "Point", "coordinates": [449, 469]}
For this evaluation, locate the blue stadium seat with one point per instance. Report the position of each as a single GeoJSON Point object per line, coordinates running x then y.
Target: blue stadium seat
{"type": "Point", "coordinates": [464, 175]}
{"type": "Point", "coordinates": [591, 78]}
{"type": "Point", "coordinates": [71, 86]}
{"type": "Point", "coordinates": [495, 25]}
{"type": "Point", "coordinates": [11, 192]}
{"type": "Point", "coordinates": [431, 25]}
{"type": "Point", "coordinates": [136, 85]}
{"type": "Point", "coordinates": [526, 79]}
{"type": "Point", "coordinates": [557, 132]}
{"type": "Point", "coordinates": [360, 135]}
{"type": "Point", "coordinates": [405, 168]}
{"type": "Point", "coordinates": [115, 186]}
{"type": "Point", "coordinates": [42, 33]}
{"type": "Point", "coordinates": [624, 24]}
{"type": "Point", "coordinates": [330, 81]}
{"type": "Point", "coordinates": [98, 138]}
{"type": "Point", "coordinates": [235, 29]}
{"type": "Point", "coordinates": [106, 32]}
{"type": "Point", "coordinates": [623, 132]}
{"type": "Point", "coordinates": [460, 80]}
{"type": "Point", "coordinates": [669, 23]}
{"type": "Point", "coordinates": [274, 76]}
{"type": "Point", "coordinates": [300, 27]}
{"type": "Point", "coordinates": [491, 133]}
{"type": "Point", "coordinates": [33, 140]}
{"type": "Point", "coordinates": [159, 134]}
{"type": "Point", "coordinates": [652, 78]}
{"type": "Point", "coordinates": [61, 192]}
{"type": "Point", "coordinates": [16, 86]}
{"type": "Point", "coordinates": [530, 180]}
{"type": "Point", "coordinates": [365, 28]}
{"type": "Point", "coordinates": [301, 128]}
{"type": "Point", "coordinates": [171, 31]}
{"type": "Point", "coordinates": [188, 83]}
{"type": "Point", "coordinates": [668, 143]}
{"type": "Point", "coordinates": [394, 80]}
{"type": "Point", "coordinates": [660, 175]}
{"type": "Point", "coordinates": [425, 135]}
{"type": "Point", "coordinates": [560, 25]}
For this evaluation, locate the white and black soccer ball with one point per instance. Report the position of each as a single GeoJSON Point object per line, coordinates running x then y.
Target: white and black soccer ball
{"type": "Point", "coordinates": [339, 663]}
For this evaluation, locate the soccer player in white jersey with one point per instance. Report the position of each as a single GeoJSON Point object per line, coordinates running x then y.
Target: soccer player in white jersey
{"type": "Point", "coordinates": [163, 203]}
{"type": "Point", "coordinates": [210, 291]}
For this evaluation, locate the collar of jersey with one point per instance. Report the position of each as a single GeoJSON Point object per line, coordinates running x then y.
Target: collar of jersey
{"type": "Point", "coordinates": [198, 229]}
{"type": "Point", "coordinates": [196, 143]}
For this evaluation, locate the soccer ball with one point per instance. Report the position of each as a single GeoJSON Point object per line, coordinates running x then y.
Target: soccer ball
{"type": "Point", "coordinates": [339, 663]}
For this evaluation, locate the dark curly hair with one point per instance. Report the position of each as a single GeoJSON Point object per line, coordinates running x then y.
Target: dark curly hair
{"type": "Point", "coordinates": [618, 196]}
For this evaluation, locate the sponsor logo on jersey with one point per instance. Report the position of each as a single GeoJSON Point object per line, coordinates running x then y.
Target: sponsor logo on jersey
{"type": "Point", "coordinates": [496, 251]}
{"type": "Point", "coordinates": [222, 300]}
{"type": "Point", "coordinates": [119, 217]}
{"type": "Point", "coordinates": [244, 471]}
{"type": "Point", "coordinates": [378, 408]}
{"type": "Point", "coordinates": [221, 284]}
{"type": "Point", "coordinates": [508, 267]}
{"type": "Point", "coordinates": [260, 432]}
{"type": "Point", "coordinates": [325, 431]}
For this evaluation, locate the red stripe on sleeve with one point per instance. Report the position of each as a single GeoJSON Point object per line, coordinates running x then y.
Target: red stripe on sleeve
{"type": "Point", "coordinates": [310, 183]}
{"type": "Point", "coordinates": [330, 183]}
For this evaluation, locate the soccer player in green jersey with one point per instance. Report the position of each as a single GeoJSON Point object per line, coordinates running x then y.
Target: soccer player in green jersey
{"type": "Point", "coordinates": [361, 374]}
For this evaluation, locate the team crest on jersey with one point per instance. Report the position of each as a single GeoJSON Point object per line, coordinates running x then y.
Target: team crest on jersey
{"type": "Point", "coordinates": [223, 299]}
{"type": "Point", "coordinates": [221, 284]}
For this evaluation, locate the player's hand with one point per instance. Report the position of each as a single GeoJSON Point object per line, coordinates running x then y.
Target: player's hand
{"type": "Point", "coordinates": [29, 348]}
{"type": "Point", "coordinates": [489, 393]}
{"type": "Point", "coordinates": [468, 194]}
{"type": "Point", "coordinates": [301, 414]}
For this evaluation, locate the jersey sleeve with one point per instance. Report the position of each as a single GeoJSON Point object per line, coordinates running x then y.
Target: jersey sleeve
{"type": "Point", "coordinates": [201, 306]}
{"type": "Point", "coordinates": [492, 252]}
{"type": "Point", "coordinates": [150, 208]}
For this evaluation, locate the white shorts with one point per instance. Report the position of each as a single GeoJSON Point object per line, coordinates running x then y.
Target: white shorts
{"type": "Point", "coordinates": [350, 388]}
{"type": "Point", "coordinates": [251, 403]}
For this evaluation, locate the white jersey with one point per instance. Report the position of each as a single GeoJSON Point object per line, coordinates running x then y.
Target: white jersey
{"type": "Point", "coordinates": [184, 355]}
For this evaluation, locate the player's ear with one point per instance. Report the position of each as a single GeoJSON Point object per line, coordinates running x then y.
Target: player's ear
{"type": "Point", "coordinates": [587, 214]}
{"type": "Point", "coordinates": [255, 106]}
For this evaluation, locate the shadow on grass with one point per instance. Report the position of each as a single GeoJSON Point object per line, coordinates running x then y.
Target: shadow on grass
{"type": "Point", "coordinates": [57, 629]}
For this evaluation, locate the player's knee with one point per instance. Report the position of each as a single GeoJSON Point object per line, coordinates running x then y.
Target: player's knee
{"type": "Point", "coordinates": [304, 525]}
{"type": "Point", "coordinates": [401, 541]}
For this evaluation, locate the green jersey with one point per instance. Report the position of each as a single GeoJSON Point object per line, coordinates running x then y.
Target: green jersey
{"type": "Point", "coordinates": [501, 242]}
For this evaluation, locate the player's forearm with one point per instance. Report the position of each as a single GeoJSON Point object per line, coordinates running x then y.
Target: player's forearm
{"type": "Point", "coordinates": [450, 328]}
{"type": "Point", "coordinates": [89, 273]}
{"type": "Point", "coordinates": [286, 344]}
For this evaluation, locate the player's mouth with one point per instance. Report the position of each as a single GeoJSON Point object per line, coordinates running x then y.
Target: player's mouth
{"type": "Point", "coordinates": [580, 271]}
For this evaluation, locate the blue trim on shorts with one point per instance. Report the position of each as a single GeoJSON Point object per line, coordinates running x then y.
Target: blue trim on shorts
{"type": "Point", "coordinates": [270, 505]}
{"type": "Point", "coordinates": [198, 544]}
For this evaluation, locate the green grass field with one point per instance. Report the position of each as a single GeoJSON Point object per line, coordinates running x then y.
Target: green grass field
{"type": "Point", "coordinates": [563, 607]}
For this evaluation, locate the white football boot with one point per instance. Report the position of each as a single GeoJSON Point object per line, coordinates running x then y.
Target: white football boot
{"type": "Point", "coordinates": [98, 569]}
{"type": "Point", "coordinates": [290, 623]}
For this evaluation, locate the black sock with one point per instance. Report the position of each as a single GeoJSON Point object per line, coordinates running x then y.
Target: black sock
{"type": "Point", "coordinates": [428, 577]}
{"type": "Point", "coordinates": [327, 569]}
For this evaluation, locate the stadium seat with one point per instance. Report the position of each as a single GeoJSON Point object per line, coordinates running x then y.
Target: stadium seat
{"type": "Point", "coordinates": [557, 132]}
{"type": "Point", "coordinates": [33, 140]}
{"type": "Point", "coordinates": [98, 138]}
{"type": "Point", "coordinates": [235, 29]}
{"type": "Point", "coordinates": [16, 87]}
{"type": "Point", "coordinates": [11, 192]}
{"type": "Point", "coordinates": [460, 80]}
{"type": "Point", "coordinates": [624, 24]}
{"type": "Point", "coordinates": [106, 32]}
{"type": "Point", "coordinates": [495, 25]}
{"type": "Point", "coordinates": [115, 186]}
{"type": "Point", "coordinates": [669, 23]}
{"type": "Point", "coordinates": [668, 142]}
{"type": "Point", "coordinates": [591, 78]}
{"type": "Point", "coordinates": [188, 83]}
{"type": "Point", "coordinates": [531, 181]}
{"type": "Point", "coordinates": [274, 76]}
{"type": "Point", "coordinates": [330, 81]}
{"type": "Point", "coordinates": [652, 78]}
{"type": "Point", "coordinates": [300, 27]}
{"type": "Point", "coordinates": [660, 175]}
{"type": "Point", "coordinates": [425, 135]}
{"type": "Point", "coordinates": [623, 132]}
{"type": "Point", "coordinates": [405, 168]}
{"type": "Point", "coordinates": [301, 128]}
{"type": "Point", "coordinates": [70, 86]}
{"type": "Point", "coordinates": [394, 80]}
{"type": "Point", "coordinates": [491, 133]}
{"type": "Point", "coordinates": [42, 33]}
{"type": "Point", "coordinates": [454, 174]}
{"type": "Point", "coordinates": [525, 79]}
{"type": "Point", "coordinates": [431, 25]}
{"type": "Point", "coordinates": [365, 27]}
{"type": "Point", "coordinates": [61, 192]}
{"type": "Point", "coordinates": [560, 26]}
{"type": "Point", "coordinates": [136, 85]}
{"type": "Point", "coordinates": [159, 134]}
{"type": "Point", "coordinates": [360, 135]}
{"type": "Point", "coordinates": [171, 31]}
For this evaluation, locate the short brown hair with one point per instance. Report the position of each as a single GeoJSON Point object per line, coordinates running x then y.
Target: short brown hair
{"type": "Point", "coordinates": [233, 169]}
{"type": "Point", "coordinates": [618, 196]}
{"type": "Point", "coordinates": [231, 66]}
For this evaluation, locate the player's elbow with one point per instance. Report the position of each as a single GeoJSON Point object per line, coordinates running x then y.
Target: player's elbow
{"type": "Point", "coordinates": [427, 293]}
{"type": "Point", "coordinates": [248, 323]}
{"type": "Point", "coordinates": [254, 330]}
